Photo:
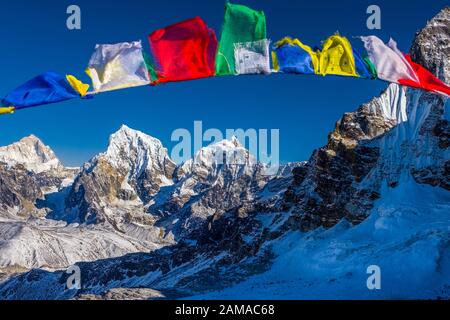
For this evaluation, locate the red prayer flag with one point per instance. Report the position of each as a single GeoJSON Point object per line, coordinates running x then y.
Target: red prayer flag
{"type": "Point", "coordinates": [427, 80]}
{"type": "Point", "coordinates": [184, 51]}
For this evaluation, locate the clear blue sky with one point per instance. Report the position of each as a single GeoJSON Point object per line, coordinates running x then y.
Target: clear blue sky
{"type": "Point", "coordinates": [305, 108]}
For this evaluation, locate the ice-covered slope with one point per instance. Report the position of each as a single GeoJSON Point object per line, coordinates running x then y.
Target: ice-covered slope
{"type": "Point", "coordinates": [228, 155]}
{"type": "Point", "coordinates": [403, 132]}
{"type": "Point", "coordinates": [407, 235]}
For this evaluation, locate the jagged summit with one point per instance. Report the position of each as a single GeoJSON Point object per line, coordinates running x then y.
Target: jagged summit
{"type": "Point", "coordinates": [125, 131]}
{"type": "Point", "coordinates": [137, 152]}
{"type": "Point", "coordinates": [431, 46]}
{"type": "Point", "coordinates": [229, 155]}
{"type": "Point", "coordinates": [32, 153]}
{"type": "Point", "coordinates": [128, 137]}
{"type": "Point", "coordinates": [31, 138]}
{"type": "Point", "coordinates": [116, 185]}
{"type": "Point", "coordinates": [233, 142]}
{"type": "Point", "coordinates": [231, 145]}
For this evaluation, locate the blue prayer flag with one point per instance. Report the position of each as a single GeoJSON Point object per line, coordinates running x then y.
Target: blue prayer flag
{"type": "Point", "coordinates": [47, 88]}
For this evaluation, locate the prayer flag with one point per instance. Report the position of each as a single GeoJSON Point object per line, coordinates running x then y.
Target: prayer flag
{"type": "Point", "coordinates": [47, 88]}
{"type": "Point", "coordinates": [118, 66]}
{"type": "Point", "coordinates": [184, 51]}
{"type": "Point", "coordinates": [241, 25]}
{"type": "Point", "coordinates": [252, 57]}
{"type": "Point", "coordinates": [292, 56]}
{"type": "Point", "coordinates": [390, 64]}
{"type": "Point", "coordinates": [337, 57]}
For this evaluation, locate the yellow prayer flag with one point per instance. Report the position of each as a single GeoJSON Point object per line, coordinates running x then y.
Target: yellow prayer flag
{"type": "Point", "coordinates": [337, 57]}
{"type": "Point", "coordinates": [7, 110]}
{"type": "Point", "coordinates": [77, 85]}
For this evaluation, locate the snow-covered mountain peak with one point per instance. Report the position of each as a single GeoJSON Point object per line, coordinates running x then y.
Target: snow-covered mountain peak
{"type": "Point", "coordinates": [30, 152]}
{"type": "Point", "coordinates": [232, 144]}
{"type": "Point", "coordinates": [31, 139]}
{"type": "Point", "coordinates": [127, 137]}
{"type": "Point", "coordinates": [136, 152]}
{"type": "Point", "coordinates": [223, 153]}
{"type": "Point", "coordinates": [235, 141]}
{"type": "Point", "coordinates": [115, 185]}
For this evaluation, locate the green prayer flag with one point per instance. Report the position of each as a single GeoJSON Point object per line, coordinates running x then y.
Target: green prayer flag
{"type": "Point", "coordinates": [241, 25]}
{"type": "Point", "coordinates": [150, 64]}
{"type": "Point", "coordinates": [371, 67]}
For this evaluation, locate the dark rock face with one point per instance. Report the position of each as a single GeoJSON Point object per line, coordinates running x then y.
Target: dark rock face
{"type": "Point", "coordinates": [103, 181]}
{"type": "Point", "coordinates": [326, 190]}
{"type": "Point", "coordinates": [128, 175]}
{"type": "Point", "coordinates": [19, 189]}
{"type": "Point", "coordinates": [442, 131]}
{"type": "Point", "coordinates": [29, 170]}
{"type": "Point", "coordinates": [343, 179]}
{"type": "Point", "coordinates": [205, 188]}
{"type": "Point", "coordinates": [431, 46]}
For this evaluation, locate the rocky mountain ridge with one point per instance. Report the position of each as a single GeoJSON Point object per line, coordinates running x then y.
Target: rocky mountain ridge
{"type": "Point", "coordinates": [404, 132]}
{"type": "Point", "coordinates": [133, 195]}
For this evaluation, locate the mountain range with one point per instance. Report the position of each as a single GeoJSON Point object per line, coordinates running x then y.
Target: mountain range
{"type": "Point", "coordinates": [140, 226]}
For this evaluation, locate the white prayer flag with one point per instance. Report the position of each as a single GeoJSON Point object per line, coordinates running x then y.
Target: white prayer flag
{"type": "Point", "coordinates": [390, 63]}
{"type": "Point", "coordinates": [252, 57]}
{"type": "Point", "coordinates": [118, 66]}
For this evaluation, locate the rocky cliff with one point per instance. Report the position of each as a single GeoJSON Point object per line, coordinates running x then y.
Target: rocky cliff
{"type": "Point", "coordinates": [404, 132]}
